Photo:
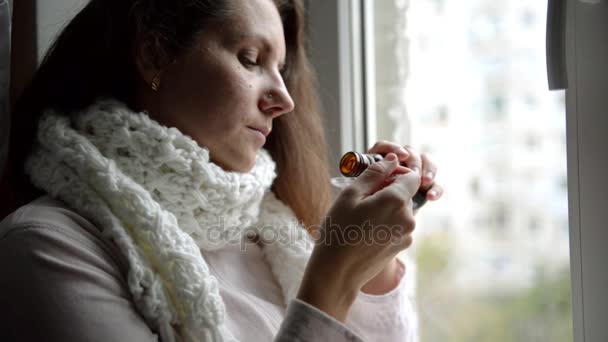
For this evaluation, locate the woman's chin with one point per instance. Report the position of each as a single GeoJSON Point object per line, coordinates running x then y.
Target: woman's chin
{"type": "Point", "coordinates": [242, 165]}
{"type": "Point", "coordinates": [249, 166]}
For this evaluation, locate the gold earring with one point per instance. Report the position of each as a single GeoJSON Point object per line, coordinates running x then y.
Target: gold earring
{"type": "Point", "coordinates": [155, 83]}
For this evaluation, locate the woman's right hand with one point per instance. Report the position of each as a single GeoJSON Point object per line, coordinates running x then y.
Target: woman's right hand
{"type": "Point", "coordinates": [369, 223]}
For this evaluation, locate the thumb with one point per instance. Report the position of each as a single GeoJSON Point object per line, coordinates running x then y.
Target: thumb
{"type": "Point", "coordinates": [407, 183]}
{"type": "Point", "coordinates": [374, 177]}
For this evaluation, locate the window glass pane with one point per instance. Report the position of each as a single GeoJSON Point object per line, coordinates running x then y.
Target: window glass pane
{"type": "Point", "coordinates": [465, 81]}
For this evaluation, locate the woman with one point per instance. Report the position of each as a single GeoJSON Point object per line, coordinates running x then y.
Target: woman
{"type": "Point", "coordinates": [175, 184]}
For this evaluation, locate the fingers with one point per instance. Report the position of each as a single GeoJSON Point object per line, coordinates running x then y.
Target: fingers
{"type": "Point", "coordinates": [408, 156]}
{"type": "Point", "coordinates": [376, 176]}
{"type": "Point", "coordinates": [429, 171]}
{"type": "Point", "coordinates": [384, 147]}
{"type": "Point", "coordinates": [399, 193]}
{"type": "Point", "coordinates": [406, 184]}
{"type": "Point", "coordinates": [395, 203]}
{"type": "Point", "coordinates": [435, 192]}
{"type": "Point", "coordinates": [414, 161]}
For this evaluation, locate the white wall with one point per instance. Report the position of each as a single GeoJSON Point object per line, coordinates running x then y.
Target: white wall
{"type": "Point", "coordinates": [52, 15]}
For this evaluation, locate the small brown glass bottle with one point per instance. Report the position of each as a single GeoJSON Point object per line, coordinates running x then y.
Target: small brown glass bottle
{"type": "Point", "coordinates": [352, 164]}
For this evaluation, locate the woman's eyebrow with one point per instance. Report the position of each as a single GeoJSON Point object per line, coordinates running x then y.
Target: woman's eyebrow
{"type": "Point", "coordinates": [241, 36]}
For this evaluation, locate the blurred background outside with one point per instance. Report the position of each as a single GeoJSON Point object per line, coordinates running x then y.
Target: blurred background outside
{"type": "Point", "coordinates": [465, 81]}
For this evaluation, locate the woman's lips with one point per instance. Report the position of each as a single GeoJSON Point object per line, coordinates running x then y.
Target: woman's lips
{"type": "Point", "coordinates": [264, 130]}
{"type": "Point", "coordinates": [258, 133]}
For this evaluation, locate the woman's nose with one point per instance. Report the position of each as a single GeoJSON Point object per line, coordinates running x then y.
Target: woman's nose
{"type": "Point", "coordinates": [276, 101]}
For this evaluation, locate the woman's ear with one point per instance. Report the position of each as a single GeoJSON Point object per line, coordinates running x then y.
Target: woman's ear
{"type": "Point", "coordinates": [148, 55]}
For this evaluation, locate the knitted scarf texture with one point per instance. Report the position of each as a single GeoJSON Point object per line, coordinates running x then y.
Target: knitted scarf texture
{"type": "Point", "coordinates": [155, 193]}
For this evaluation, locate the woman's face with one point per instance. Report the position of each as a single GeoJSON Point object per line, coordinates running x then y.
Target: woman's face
{"type": "Point", "coordinates": [225, 92]}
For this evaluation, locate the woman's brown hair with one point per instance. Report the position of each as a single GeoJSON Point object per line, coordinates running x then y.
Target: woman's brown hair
{"type": "Point", "coordinates": [94, 57]}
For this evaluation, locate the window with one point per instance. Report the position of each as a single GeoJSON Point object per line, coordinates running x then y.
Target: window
{"type": "Point", "coordinates": [467, 82]}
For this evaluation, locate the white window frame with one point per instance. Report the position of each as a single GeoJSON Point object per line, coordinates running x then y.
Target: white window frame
{"type": "Point", "coordinates": [586, 122]}
{"type": "Point", "coordinates": [334, 48]}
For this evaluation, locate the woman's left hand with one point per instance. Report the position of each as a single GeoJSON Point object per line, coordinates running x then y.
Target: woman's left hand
{"type": "Point", "coordinates": [418, 162]}
{"type": "Point", "coordinates": [409, 157]}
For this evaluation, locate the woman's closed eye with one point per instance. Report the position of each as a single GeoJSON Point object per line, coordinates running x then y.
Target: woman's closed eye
{"type": "Point", "coordinates": [252, 59]}
{"type": "Point", "coordinates": [249, 59]}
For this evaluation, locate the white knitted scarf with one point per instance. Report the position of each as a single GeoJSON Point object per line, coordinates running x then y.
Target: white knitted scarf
{"type": "Point", "coordinates": [155, 193]}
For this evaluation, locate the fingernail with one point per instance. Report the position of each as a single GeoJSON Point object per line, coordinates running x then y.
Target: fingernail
{"type": "Point", "coordinates": [431, 194]}
{"type": "Point", "coordinates": [391, 157]}
{"type": "Point", "coordinates": [429, 175]}
{"type": "Point", "coordinates": [403, 151]}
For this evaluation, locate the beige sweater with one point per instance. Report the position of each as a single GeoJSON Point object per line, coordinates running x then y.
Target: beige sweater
{"type": "Point", "coordinates": [63, 281]}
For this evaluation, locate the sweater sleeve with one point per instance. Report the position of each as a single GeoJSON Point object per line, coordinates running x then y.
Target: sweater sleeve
{"type": "Point", "coordinates": [389, 317]}
{"type": "Point", "coordinates": [57, 286]}
{"type": "Point", "coordinates": [305, 323]}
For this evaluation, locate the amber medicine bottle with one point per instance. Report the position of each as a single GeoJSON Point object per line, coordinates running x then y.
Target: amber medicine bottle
{"type": "Point", "coordinates": [352, 164]}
